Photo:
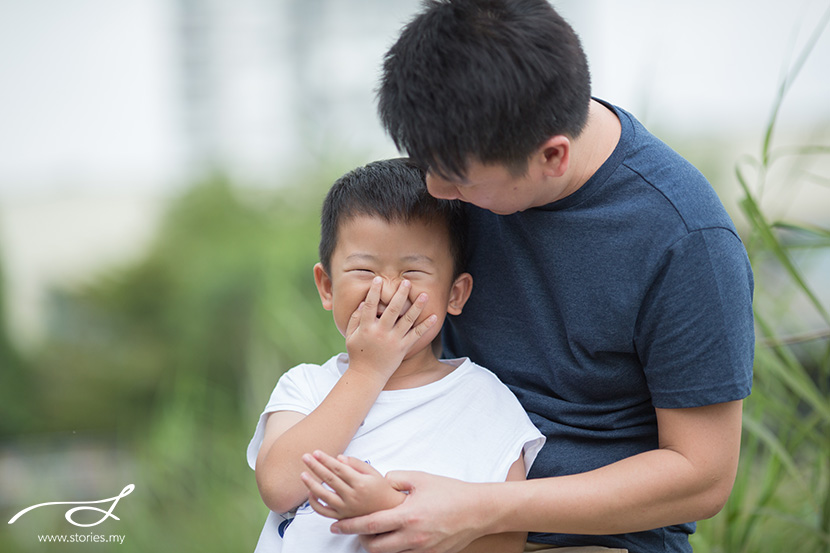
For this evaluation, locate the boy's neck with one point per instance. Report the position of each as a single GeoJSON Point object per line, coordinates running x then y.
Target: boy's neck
{"type": "Point", "coordinates": [419, 370]}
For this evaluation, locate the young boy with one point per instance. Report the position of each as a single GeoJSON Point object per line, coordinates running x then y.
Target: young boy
{"type": "Point", "coordinates": [390, 270]}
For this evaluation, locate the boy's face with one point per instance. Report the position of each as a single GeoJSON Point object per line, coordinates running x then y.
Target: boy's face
{"type": "Point", "coordinates": [418, 251]}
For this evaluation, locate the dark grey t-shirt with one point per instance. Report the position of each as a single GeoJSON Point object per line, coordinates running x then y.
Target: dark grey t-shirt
{"type": "Point", "coordinates": [635, 292]}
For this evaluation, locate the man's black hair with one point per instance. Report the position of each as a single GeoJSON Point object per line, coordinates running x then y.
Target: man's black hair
{"type": "Point", "coordinates": [394, 190]}
{"type": "Point", "coordinates": [487, 80]}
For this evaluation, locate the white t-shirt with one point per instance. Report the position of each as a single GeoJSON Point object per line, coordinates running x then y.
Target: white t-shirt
{"type": "Point", "coordinates": [467, 426]}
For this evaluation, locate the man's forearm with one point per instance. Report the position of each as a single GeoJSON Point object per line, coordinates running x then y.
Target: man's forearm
{"type": "Point", "coordinates": [651, 490]}
{"type": "Point", "coordinates": [502, 543]}
{"type": "Point", "coordinates": [689, 478]}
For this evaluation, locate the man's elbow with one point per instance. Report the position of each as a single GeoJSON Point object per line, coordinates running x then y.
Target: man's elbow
{"type": "Point", "coordinates": [714, 498]}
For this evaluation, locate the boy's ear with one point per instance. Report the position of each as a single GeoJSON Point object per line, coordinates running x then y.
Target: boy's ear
{"type": "Point", "coordinates": [323, 282]}
{"type": "Point", "coordinates": [460, 293]}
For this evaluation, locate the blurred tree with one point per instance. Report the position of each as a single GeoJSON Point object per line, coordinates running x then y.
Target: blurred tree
{"type": "Point", "coordinates": [224, 299]}
{"type": "Point", "coordinates": [174, 356]}
{"type": "Point", "coordinates": [16, 384]}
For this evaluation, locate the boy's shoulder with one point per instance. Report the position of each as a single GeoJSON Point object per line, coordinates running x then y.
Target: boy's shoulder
{"type": "Point", "coordinates": [311, 379]}
{"type": "Point", "coordinates": [480, 382]}
{"type": "Point", "coordinates": [337, 364]}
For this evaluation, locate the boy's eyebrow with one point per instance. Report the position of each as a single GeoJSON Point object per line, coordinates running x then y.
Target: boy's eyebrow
{"type": "Point", "coordinates": [360, 257]}
{"type": "Point", "coordinates": [417, 258]}
{"type": "Point", "coordinates": [411, 258]}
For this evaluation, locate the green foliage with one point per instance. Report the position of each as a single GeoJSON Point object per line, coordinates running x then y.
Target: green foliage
{"type": "Point", "coordinates": [781, 499]}
{"type": "Point", "coordinates": [224, 298]}
{"type": "Point", "coordinates": [172, 359]}
{"type": "Point", "coordinates": [15, 382]}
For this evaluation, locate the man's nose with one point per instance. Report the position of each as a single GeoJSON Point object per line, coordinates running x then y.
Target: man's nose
{"type": "Point", "coordinates": [440, 188]}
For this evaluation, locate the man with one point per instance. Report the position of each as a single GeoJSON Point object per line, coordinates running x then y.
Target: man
{"type": "Point", "coordinates": [613, 292]}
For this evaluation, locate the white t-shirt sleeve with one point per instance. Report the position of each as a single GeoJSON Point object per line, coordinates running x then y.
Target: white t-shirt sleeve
{"type": "Point", "coordinates": [295, 391]}
{"type": "Point", "coordinates": [511, 430]}
{"type": "Point", "coordinates": [524, 439]}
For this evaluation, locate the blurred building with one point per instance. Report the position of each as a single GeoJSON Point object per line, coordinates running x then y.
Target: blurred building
{"type": "Point", "coordinates": [271, 84]}
{"type": "Point", "coordinates": [108, 108]}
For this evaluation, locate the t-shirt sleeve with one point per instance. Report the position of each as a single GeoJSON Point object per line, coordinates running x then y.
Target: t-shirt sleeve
{"type": "Point", "coordinates": [508, 428]}
{"type": "Point", "coordinates": [294, 392]}
{"type": "Point", "coordinates": [531, 443]}
{"type": "Point", "coordinates": [695, 332]}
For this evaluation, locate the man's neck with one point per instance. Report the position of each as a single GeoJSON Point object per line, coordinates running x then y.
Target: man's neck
{"type": "Point", "coordinates": [594, 145]}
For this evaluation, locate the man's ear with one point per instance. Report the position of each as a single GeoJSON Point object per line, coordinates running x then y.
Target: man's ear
{"type": "Point", "coordinates": [323, 282]}
{"type": "Point", "coordinates": [460, 293]}
{"type": "Point", "coordinates": [555, 155]}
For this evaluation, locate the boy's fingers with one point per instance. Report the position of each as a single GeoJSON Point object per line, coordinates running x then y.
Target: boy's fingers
{"type": "Point", "coordinates": [324, 475]}
{"type": "Point", "coordinates": [321, 508]}
{"type": "Point", "coordinates": [317, 489]}
{"type": "Point", "coordinates": [354, 320]}
{"type": "Point", "coordinates": [339, 470]}
{"type": "Point", "coordinates": [358, 465]}
{"type": "Point", "coordinates": [397, 303]}
{"type": "Point", "coordinates": [425, 325]}
{"type": "Point", "coordinates": [370, 307]}
{"type": "Point", "coordinates": [408, 319]}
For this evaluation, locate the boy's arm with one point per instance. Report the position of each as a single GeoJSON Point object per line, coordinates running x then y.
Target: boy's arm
{"type": "Point", "coordinates": [376, 347]}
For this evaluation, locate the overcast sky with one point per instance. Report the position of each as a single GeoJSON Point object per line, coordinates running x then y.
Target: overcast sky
{"type": "Point", "coordinates": [91, 89]}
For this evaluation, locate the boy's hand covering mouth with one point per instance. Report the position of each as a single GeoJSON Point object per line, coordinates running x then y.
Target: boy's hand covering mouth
{"type": "Point", "coordinates": [382, 307]}
{"type": "Point", "coordinates": [379, 336]}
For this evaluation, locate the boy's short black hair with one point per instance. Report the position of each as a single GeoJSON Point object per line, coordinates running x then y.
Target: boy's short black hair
{"type": "Point", "coordinates": [395, 190]}
{"type": "Point", "coordinates": [489, 80]}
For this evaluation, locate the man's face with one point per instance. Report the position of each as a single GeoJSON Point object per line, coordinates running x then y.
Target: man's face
{"type": "Point", "coordinates": [491, 187]}
{"type": "Point", "coordinates": [367, 247]}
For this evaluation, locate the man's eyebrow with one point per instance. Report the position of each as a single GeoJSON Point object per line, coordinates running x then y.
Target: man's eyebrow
{"type": "Point", "coordinates": [451, 178]}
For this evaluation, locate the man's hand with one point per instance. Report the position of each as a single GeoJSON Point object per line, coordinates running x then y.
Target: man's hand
{"type": "Point", "coordinates": [379, 343]}
{"type": "Point", "coordinates": [436, 517]}
{"type": "Point", "coordinates": [347, 487]}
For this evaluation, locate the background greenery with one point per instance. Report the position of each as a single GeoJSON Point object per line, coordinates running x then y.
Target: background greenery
{"type": "Point", "coordinates": [781, 499]}
{"type": "Point", "coordinates": [156, 373]}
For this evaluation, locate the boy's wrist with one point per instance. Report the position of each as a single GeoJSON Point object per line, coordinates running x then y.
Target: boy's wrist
{"type": "Point", "coordinates": [371, 372]}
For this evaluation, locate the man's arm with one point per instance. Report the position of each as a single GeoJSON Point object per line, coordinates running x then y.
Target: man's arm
{"type": "Point", "coordinates": [376, 347]}
{"type": "Point", "coordinates": [504, 542]}
{"type": "Point", "coordinates": [688, 478]}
